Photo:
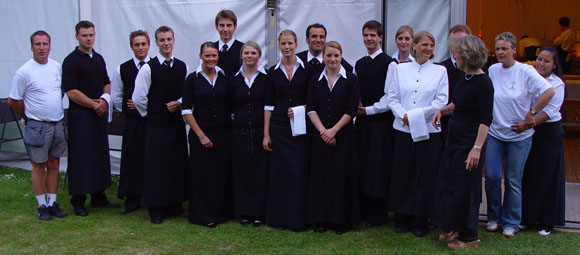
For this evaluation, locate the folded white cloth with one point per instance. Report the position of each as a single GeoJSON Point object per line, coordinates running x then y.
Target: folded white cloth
{"type": "Point", "coordinates": [107, 98]}
{"type": "Point", "coordinates": [417, 125]}
{"type": "Point", "coordinates": [298, 123]}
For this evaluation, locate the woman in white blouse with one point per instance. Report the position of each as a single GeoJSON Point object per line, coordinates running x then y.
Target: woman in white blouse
{"type": "Point", "coordinates": [514, 86]}
{"type": "Point", "coordinates": [418, 89]}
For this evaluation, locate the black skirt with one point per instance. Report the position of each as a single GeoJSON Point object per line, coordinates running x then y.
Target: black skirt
{"type": "Point", "coordinates": [132, 157]}
{"type": "Point", "coordinates": [210, 178]}
{"type": "Point", "coordinates": [250, 171]}
{"type": "Point", "coordinates": [414, 173]}
{"type": "Point", "coordinates": [544, 180]}
{"type": "Point", "coordinates": [288, 178]}
{"type": "Point", "coordinates": [89, 167]}
{"type": "Point", "coordinates": [333, 186]}
{"type": "Point", "coordinates": [458, 191]}
{"type": "Point", "coordinates": [375, 150]}
{"type": "Point", "coordinates": [165, 165]}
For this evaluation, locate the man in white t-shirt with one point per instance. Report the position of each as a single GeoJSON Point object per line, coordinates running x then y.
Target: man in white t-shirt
{"type": "Point", "coordinates": [36, 95]}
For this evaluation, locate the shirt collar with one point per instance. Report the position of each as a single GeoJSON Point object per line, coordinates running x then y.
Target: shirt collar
{"type": "Point", "coordinates": [298, 62]}
{"type": "Point", "coordinates": [375, 54]}
{"type": "Point", "coordinates": [136, 61]}
{"type": "Point", "coordinates": [161, 58]}
{"type": "Point", "coordinates": [230, 43]}
{"type": "Point", "coordinates": [241, 71]}
{"type": "Point", "coordinates": [396, 56]}
{"type": "Point", "coordinates": [309, 56]}
{"type": "Point", "coordinates": [341, 72]}
{"type": "Point", "coordinates": [217, 70]}
{"type": "Point", "coordinates": [80, 52]}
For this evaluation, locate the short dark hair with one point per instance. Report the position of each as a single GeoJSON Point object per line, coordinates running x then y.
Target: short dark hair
{"type": "Point", "coordinates": [564, 21]}
{"type": "Point", "coordinates": [374, 25]}
{"type": "Point", "coordinates": [163, 29]}
{"type": "Point", "coordinates": [460, 28]}
{"type": "Point", "coordinates": [39, 33]}
{"type": "Point", "coordinates": [226, 14]}
{"type": "Point", "coordinates": [83, 24]}
{"type": "Point", "coordinates": [315, 25]}
{"type": "Point", "coordinates": [134, 34]}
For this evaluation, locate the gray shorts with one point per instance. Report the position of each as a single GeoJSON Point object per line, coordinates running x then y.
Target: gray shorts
{"type": "Point", "coordinates": [54, 143]}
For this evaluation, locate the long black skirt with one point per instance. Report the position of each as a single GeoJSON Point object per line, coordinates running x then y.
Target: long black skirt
{"type": "Point", "coordinates": [544, 180]}
{"type": "Point", "coordinates": [250, 171]}
{"type": "Point", "coordinates": [210, 178]}
{"type": "Point", "coordinates": [165, 175]}
{"type": "Point", "coordinates": [414, 173]}
{"type": "Point", "coordinates": [333, 186]}
{"type": "Point", "coordinates": [132, 157]}
{"type": "Point", "coordinates": [375, 149]}
{"type": "Point", "coordinates": [89, 167]}
{"type": "Point", "coordinates": [288, 178]}
{"type": "Point", "coordinates": [458, 191]}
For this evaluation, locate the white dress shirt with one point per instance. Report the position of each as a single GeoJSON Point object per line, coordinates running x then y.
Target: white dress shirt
{"type": "Point", "coordinates": [417, 86]}
{"type": "Point", "coordinates": [230, 43]}
{"type": "Point", "coordinates": [249, 82]}
{"type": "Point", "coordinates": [117, 84]}
{"type": "Point", "coordinates": [309, 57]}
{"type": "Point", "coordinates": [143, 83]}
{"type": "Point", "coordinates": [514, 88]}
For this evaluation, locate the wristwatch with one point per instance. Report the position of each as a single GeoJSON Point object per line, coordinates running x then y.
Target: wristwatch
{"type": "Point", "coordinates": [477, 147]}
{"type": "Point", "coordinates": [533, 112]}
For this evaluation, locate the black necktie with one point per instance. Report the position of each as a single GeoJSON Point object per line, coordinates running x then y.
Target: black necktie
{"type": "Point", "coordinates": [167, 62]}
{"type": "Point", "coordinates": [367, 59]}
{"type": "Point", "coordinates": [314, 62]}
{"type": "Point", "coordinates": [140, 64]}
{"type": "Point", "coordinates": [224, 48]}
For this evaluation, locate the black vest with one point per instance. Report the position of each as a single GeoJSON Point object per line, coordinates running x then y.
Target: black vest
{"type": "Point", "coordinates": [128, 72]}
{"type": "Point", "coordinates": [166, 86]}
{"type": "Point", "coordinates": [231, 60]}
{"type": "Point", "coordinates": [371, 77]}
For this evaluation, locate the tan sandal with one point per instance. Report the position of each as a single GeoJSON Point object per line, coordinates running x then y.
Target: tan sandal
{"type": "Point", "coordinates": [459, 245]}
{"type": "Point", "coordinates": [448, 237]}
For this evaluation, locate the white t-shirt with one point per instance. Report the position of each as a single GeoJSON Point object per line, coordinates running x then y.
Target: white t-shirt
{"type": "Point", "coordinates": [514, 88]}
{"type": "Point", "coordinates": [39, 86]}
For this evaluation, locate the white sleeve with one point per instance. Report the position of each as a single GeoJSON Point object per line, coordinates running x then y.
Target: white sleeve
{"type": "Point", "coordinates": [142, 85]}
{"type": "Point", "coordinates": [441, 96]}
{"type": "Point", "coordinates": [117, 90]}
{"type": "Point", "coordinates": [553, 107]}
{"type": "Point", "coordinates": [535, 83]}
{"type": "Point", "coordinates": [18, 86]}
{"type": "Point", "coordinates": [394, 97]}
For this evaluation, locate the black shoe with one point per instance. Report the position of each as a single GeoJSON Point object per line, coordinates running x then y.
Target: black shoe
{"type": "Point", "coordinates": [156, 220]}
{"type": "Point", "coordinates": [319, 230]}
{"type": "Point", "coordinates": [401, 229]}
{"type": "Point", "coordinates": [372, 225]}
{"type": "Point", "coordinates": [184, 214]}
{"type": "Point", "coordinates": [211, 225]}
{"type": "Point", "coordinates": [104, 203]}
{"type": "Point", "coordinates": [81, 211]}
{"type": "Point", "coordinates": [256, 223]}
{"type": "Point", "coordinates": [339, 230]}
{"type": "Point", "coordinates": [43, 213]}
{"type": "Point", "coordinates": [127, 210]}
{"type": "Point", "coordinates": [420, 231]}
{"type": "Point", "coordinates": [56, 211]}
{"type": "Point", "coordinates": [282, 228]}
{"type": "Point", "coordinates": [244, 222]}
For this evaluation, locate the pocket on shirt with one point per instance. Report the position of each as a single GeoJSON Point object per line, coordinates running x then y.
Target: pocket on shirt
{"type": "Point", "coordinates": [34, 133]}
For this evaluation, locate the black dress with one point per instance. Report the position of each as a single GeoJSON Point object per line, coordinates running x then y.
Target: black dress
{"type": "Point", "coordinates": [333, 185]}
{"type": "Point", "coordinates": [289, 160]}
{"type": "Point", "coordinates": [375, 140]}
{"type": "Point", "coordinates": [544, 179]}
{"type": "Point", "coordinates": [165, 186]}
{"type": "Point", "coordinates": [89, 168]}
{"type": "Point", "coordinates": [133, 147]}
{"type": "Point", "coordinates": [459, 190]}
{"type": "Point", "coordinates": [249, 159]}
{"type": "Point", "coordinates": [210, 169]}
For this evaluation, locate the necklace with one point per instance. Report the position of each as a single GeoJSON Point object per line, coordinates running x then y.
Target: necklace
{"type": "Point", "coordinates": [469, 78]}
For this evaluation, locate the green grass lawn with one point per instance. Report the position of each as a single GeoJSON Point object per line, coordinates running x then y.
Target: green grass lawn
{"type": "Point", "coordinates": [106, 231]}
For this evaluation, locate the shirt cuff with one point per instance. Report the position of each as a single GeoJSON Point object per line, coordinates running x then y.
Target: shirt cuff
{"type": "Point", "coordinates": [308, 113]}
{"type": "Point", "coordinates": [180, 100]}
{"type": "Point", "coordinates": [370, 110]}
{"type": "Point", "coordinates": [186, 111]}
{"type": "Point", "coordinates": [269, 108]}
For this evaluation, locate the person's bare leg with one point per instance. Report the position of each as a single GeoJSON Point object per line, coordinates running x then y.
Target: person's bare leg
{"type": "Point", "coordinates": [52, 175]}
{"type": "Point", "coordinates": [38, 178]}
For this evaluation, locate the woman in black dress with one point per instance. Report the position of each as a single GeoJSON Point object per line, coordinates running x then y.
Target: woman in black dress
{"type": "Point", "coordinates": [459, 180]}
{"type": "Point", "coordinates": [205, 108]}
{"type": "Point", "coordinates": [288, 178]}
{"type": "Point", "coordinates": [544, 180]}
{"type": "Point", "coordinates": [332, 103]}
{"type": "Point", "coordinates": [249, 160]}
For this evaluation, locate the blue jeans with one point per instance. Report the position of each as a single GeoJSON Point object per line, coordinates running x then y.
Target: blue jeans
{"type": "Point", "coordinates": [515, 155]}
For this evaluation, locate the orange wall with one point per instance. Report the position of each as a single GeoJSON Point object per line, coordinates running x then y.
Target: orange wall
{"type": "Point", "coordinates": [535, 18]}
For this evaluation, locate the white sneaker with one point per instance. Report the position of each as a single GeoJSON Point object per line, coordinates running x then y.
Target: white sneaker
{"type": "Point", "coordinates": [492, 226]}
{"type": "Point", "coordinates": [544, 232]}
{"type": "Point", "coordinates": [509, 232]}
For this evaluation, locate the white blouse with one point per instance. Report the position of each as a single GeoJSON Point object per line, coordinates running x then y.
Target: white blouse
{"type": "Point", "coordinates": [417, 86]}
{"type": "Point", "coordinates": [553, 107]}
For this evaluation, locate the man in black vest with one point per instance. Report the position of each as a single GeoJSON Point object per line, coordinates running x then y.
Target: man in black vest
{"type": "Point", "coordinates": [454, 74]}
{"type": "Point", "coordinates": [133, 148]}
{"type": "Point", "coordinates": [229, 58]}
{"type": "Point", "coordinates": [316, 38]}
{"type": "Point", "coordinates": [157, 98]}
{"type": "Point", "coordinates": [87, 85]}
{"type": "Point", "coordinates": [374, 126]}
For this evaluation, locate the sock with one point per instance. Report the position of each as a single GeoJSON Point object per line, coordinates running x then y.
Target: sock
{"type": "Point", "coordinates": [51, 199]}
{"type": "Point", "coordinates": [41, 200]}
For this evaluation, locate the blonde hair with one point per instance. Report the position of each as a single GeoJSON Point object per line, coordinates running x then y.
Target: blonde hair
{"type": "Point", "coordinates": [332, 44]}
{"type": "Point", "coordinates": [253, 45]}
{"type": "Point", "coordinates": [418, 37]}
{"type": "Point", "coordinates": [287, 32]}
{"type": "Point", "coordinates": [403, 29]}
